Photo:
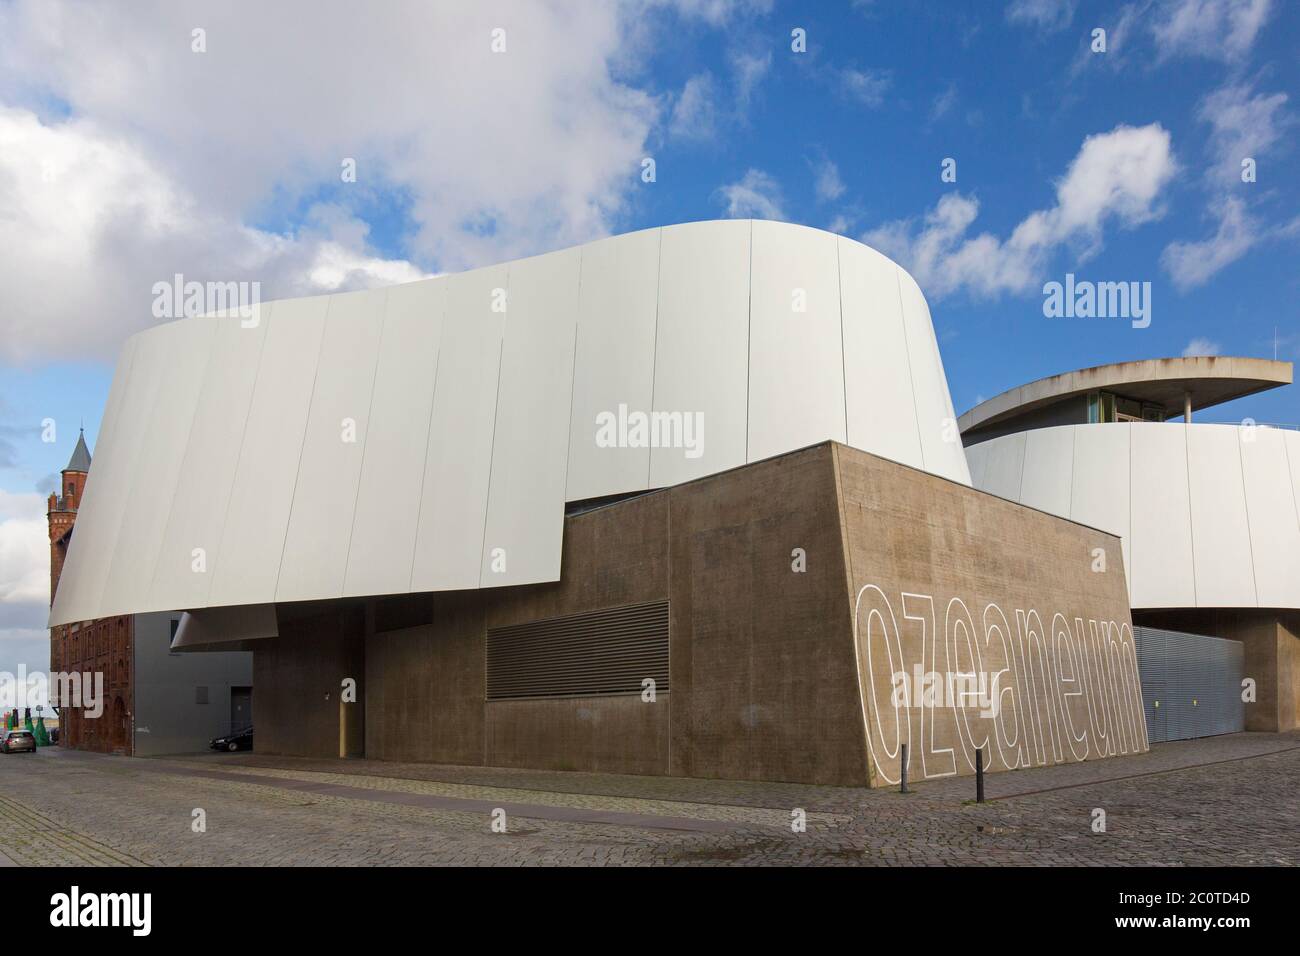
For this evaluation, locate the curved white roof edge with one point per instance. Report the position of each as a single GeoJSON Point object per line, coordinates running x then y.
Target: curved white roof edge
{"type": "Point", "coordinates": [1209, 514]}
{"type": "Point", "coordinates": [426, 436]}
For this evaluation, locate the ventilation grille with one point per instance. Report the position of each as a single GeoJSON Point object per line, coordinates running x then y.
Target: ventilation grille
{"type": "Point", "coordinates": [598, 654]}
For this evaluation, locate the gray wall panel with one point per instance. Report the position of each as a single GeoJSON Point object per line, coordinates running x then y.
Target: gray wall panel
{"type": "Point", "coordinates": [1221, 538]}
{"type": "Point", "coordinates": [1271, 509]}
{"type": "Point", "coordinates": [941, 444]}
{"type": "Point", "coordinates": [1161, 564]}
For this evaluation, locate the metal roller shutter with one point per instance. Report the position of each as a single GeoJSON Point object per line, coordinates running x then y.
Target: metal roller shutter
{"type": "Point", "coordinates": [1191, 684]}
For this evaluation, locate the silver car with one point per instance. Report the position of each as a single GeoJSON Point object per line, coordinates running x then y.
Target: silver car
{"type": "Point", "coordinates": [16, 741]}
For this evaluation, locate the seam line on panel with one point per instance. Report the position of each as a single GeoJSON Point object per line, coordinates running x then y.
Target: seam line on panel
{"type": "Point", "coordinates": [573, 376]}
{"type": "Point", "coordinates": [1245, 502]}
{"type": "Point", "coordinates": [361, 470]}
{"type": "Point", "coordinates": [492, 445]}
{"type": "Point", "coordinates": [171, 505]}
{"type": "Point", "coordinates": [428, 435]}
{"type": "Point", "coordinates": [1191, 522]}
{"type": "Point", "coordinates": [306, 434]}
{"type": "Point", "coordinates": [844, 368]}
{"type": "Point", "coordinates": [1295, 479]}
{"type": "Point", "coordinates": [239, 455]}
{"type": "Point", "coordinates": [654, 352]}
{"type": "Point", "coordinates": [749, 333]}
{"type": "Point", "coordinates": [911, 374]}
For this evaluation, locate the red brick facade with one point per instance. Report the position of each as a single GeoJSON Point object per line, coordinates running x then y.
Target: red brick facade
{"type": "Point", "coordinates": [89, 647]}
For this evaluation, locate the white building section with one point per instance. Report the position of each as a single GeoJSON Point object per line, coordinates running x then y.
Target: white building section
{"type": "Point", "coordinates": [427, 437]}
{"type": "Point", "coordinates": [1208, 513]}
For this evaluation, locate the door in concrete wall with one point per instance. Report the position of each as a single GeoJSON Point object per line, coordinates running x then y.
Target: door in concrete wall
{"type": "Point", "coordinates": [241, 708]}
{"type": "Point", "coordinates": [1191, 684]}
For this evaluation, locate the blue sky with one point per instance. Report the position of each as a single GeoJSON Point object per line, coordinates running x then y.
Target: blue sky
{"type": "Point", "coordinates": [225, 164]}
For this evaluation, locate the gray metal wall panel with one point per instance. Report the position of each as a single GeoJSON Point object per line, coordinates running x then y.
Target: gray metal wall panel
{"type": "Point", "coordinates": [1191, 684]}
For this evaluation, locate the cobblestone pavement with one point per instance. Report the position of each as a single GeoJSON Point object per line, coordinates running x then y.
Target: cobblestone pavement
{"type": "Point", "coordinates": [1222, 801]}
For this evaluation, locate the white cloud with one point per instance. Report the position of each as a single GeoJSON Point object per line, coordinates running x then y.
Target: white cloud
{"type": "Point", "coordinates": [695, 114]}
{"type": "Point", "coordinates": [1243, 124]}
{"type": "Point", "coordinates": [24, 554]}
{"type": "Point", "coordinates": [1050, 15]}
{"type": "Point", "coordinates": [943, 103]}
{"type": "Point", "coordinates": [827, 181]}
{"type": "Point", "coordinates": [756, 195]}
{"type": "Point", "coordinates": [1200, 346]}
{"type": "Point", "coordinates": [1217, 29]}
{"type": "Point", "coordinates": [749, 70]}
{"type": "Point", "coordinates": [866, 86]}
{"type": "Point", "coordinates": [1191, 264]}
{"type": "Point", "coordinates": [1115, 177]}
{"type": "Point", "coordinates": [168, 156]}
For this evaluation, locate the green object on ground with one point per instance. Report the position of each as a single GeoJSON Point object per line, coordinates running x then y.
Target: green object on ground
{"type": "Point", "coordinates": [42, 737]}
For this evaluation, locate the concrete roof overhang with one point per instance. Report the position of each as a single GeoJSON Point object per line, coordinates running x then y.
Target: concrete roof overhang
{"type": "Point", "coordinates": [1209, 379]}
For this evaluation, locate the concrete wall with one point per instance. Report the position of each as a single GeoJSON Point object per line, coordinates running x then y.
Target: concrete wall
{"type": "Point", "coordinates": [298, 682]}
{"type": "Point", "coordinates": [168, 719]}
{"type": "Point", "coordinates": [945, 581]}
{"type": "Point", "coordinates": [764, 666]}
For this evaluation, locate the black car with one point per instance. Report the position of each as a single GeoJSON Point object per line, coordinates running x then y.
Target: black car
{"type": "Point", "coordinates": [239, 740]}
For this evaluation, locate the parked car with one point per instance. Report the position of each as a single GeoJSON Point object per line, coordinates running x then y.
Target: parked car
{"type": "Point", "coordinates": [239, 740]}
{"type": "Point", "coordinates": [16, 741]}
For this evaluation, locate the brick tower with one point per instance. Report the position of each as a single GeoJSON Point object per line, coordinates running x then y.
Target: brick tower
{"type": "Point", "coordinates": [102, 646]}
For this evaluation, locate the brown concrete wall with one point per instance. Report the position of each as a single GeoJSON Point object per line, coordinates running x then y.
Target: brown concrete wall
{"type": "Point", "coordinates": [947, 580]}
{"type": "Point", "coordinates": [1271, 640]}
{"type": "Point", "coordinates": [299, 677]}
{"type": "Point", "coordinates": [764, 664]}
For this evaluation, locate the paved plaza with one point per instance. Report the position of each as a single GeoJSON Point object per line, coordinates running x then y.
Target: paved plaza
{"type": "Point", "coordinates": [1230, 800]}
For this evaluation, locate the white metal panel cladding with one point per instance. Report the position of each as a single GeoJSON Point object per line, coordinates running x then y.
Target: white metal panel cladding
{"type": "Point", "coordinates": [453, 503]}
{"type": "Point", "coordinates": [94, 514]}
{"type": "Point", "coordinates": [247, 563]}
{"type": "Point", "coordinates": [1161, 565]}
{"type": "Point", "coordinates": [396, 440]}
{"type": "Point", "coordinates": [1270, 499]}
{"type": "Point", "coordinates": [702, 367]}
{"type": "Point", "coordinates": [615, 361]}
{"type": "Point", "coordinates": [1191, 684]}
{"type": "Point", "coordinates": [530, 445]}
{"type": "Point", "coordinates": [186, 349]}
{"type": "Point", "coordinates": [193, 535]}
{"type": "Point", "coordinates": [474, 424]}
{"type": "Point", "coordinates": [1203, 509]}
{"type": "Point", "coordinates": [878, 390]}
{"type": "Point", "coordinates": [1046, 483]}
{"type": "Point", "coordinates": [329, 469]}
{"type": "Point", "coordinates": [796, 355]}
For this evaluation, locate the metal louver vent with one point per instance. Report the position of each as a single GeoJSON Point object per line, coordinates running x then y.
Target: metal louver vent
{"type": "Point", "coordinates": [597, 654]}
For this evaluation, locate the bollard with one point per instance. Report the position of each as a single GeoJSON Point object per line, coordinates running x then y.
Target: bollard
{"type": "Point", "coordinates": [903, 778]}
{"type": "Point", "coordinates": [979, 775]}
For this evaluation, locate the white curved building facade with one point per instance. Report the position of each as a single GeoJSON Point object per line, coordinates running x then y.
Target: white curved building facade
{"type": "Point", "coordinates": [1208, 513]}
{"type": "Point", "coordinates": [427, 437]}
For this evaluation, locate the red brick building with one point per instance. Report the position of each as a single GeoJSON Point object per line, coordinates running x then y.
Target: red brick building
{"type": "Point", "coordinates": [103, 646]}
